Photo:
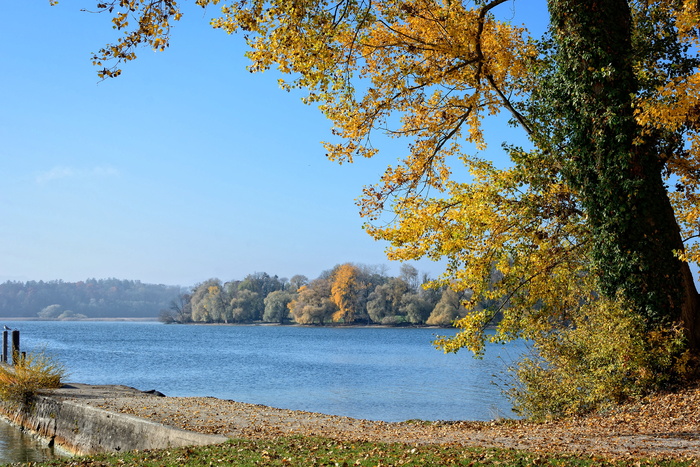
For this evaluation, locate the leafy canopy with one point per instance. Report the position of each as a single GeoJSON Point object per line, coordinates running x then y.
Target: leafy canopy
{"type": "Point", "coordinates": [537, 239]}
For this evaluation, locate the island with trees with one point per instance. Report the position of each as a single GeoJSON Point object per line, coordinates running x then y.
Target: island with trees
{"type": "Point", "coordinates": [346, 294]}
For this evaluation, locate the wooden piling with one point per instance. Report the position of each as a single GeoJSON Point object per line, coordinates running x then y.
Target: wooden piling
{"type": "Point", "coordinates": [5, 336]}
{"type": "Point", "coordinates": [15, 347]}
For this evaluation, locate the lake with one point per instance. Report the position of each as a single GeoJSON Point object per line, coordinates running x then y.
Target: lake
{"type": "Point", "coordinates": [389, 374]}
{"type": "Point", "coordinates": [16, 446]}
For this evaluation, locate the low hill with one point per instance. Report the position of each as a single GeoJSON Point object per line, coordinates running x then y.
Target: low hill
{"type": "Point", "coordinates": [93, 298]}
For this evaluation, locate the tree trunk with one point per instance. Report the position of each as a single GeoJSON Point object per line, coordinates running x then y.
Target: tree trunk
{"type": "Point", "coordinates": [691, 310]}
{"type": "Point", "coordinates": [619, 178]}
{"type": "Point", "coordinates": [688, 310]}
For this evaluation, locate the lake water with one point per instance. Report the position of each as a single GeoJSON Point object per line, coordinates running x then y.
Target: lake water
{"type": "Point", "coordinates": [389, 374]}
{"type": "Point", "coordinates": [16, 446]}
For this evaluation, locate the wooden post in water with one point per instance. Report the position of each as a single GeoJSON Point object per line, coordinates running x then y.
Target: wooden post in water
{"type": "Point", "coordinates": [15, 347]}
{"type": "Point", "coordinates": [5, 335]}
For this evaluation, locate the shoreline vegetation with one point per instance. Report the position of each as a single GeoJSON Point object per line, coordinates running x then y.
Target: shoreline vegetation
{"type": "Point", "coordinates": [257, 323]}
{"type": "Point", "coordinates": [347, 294]}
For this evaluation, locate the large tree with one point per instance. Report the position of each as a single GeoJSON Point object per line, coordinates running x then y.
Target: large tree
{"type": "Point", "coordinates": [617, 165]}
{"type": "Point", "coordinates": [581, 228]}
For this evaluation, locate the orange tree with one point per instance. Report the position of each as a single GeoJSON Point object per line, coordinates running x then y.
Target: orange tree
{"type": "Point", "coordinates": [579, 244]}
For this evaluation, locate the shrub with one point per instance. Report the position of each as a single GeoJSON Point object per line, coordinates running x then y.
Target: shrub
{"type": "Point", "coordinates": [393, 320]}
{"type": "Point", "coordinates": [606, 356]}
{"type": "Point", "coordinates": [34, 372]}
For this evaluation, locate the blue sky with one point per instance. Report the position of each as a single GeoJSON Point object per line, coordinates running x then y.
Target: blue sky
{"type": "Point", "coordinates": [186, 167]}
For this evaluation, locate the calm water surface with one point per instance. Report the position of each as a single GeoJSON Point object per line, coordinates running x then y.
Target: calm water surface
{"type": "Point", "coordinates": [16, 446]}
{"type": "Point", "coordinates": [389, 374]}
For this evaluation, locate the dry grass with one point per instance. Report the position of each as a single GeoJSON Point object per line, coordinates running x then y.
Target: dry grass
{"type": "Point", "coordinates": [32, 373]}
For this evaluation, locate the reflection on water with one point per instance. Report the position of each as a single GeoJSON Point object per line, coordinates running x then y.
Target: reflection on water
{"type": "Point", "coordinates": [17, 446]}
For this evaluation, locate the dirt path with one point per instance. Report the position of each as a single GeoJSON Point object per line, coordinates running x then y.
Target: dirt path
{"type": "Point", "coordinates": [662, 426]}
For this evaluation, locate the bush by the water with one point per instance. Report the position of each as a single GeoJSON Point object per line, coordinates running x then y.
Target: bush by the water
{"type": "Point", "coordinates": [606, 355]}
{"type": "Point", "coordinates": [31, 374]}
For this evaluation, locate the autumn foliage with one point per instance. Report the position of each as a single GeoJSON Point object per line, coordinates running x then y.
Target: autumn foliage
{"type": "Point", "coordinates": [28, 376]}
{"type": "Point", "coordinates": [583, 240]}
{"type": "Point", "coordinates": [347, 294]}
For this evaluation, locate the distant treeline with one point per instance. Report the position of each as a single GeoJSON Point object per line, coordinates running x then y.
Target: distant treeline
{"type": "Point", "coordinates": [347, 294]}
{"type": "Point", "coordinates": [103, 298]}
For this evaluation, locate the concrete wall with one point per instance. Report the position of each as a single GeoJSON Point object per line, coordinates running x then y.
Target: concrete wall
{"type": "Point", "coordinates": [83, 429]}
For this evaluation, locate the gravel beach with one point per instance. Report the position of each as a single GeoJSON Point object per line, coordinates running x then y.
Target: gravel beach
{"type": "Point", "coordinates": [666, 425]}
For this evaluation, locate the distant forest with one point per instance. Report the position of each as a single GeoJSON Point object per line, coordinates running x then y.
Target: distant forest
{"type": "Point", "coordinates": [93, 298]}
{"type": "Point", "coordinates": [346, 294]}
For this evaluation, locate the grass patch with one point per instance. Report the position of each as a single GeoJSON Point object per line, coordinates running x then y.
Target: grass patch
{"type": "Point", "coordinates": [34, 372]}
{"type": "Point", "coordinates": [309, 451]}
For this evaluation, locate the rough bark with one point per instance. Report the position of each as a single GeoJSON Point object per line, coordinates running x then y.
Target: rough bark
{"type": "Point", "coordinates": [619, 179]}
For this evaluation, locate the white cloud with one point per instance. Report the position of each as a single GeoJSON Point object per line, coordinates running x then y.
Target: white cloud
{"type": "Point", "coordinates": [58, 173]}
